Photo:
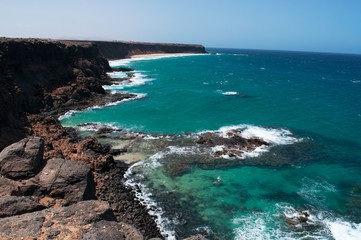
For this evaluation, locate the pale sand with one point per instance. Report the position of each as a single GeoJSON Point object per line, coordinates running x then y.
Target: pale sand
{"type": "Point", "coordinates": [163, 55]}
{"type": "Point", "coordinates": [130, 158]}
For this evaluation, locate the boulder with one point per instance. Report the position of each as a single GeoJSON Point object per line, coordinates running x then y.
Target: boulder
{"type": "Point", "coordinates": [66, 179]}
{"type": "Point", "coordinates": [7, 186]}
{"type": "Point", "coordinates": [13, 205]}
{"type": "Point", "coordinates": [56, 223]}
{"type": "Point", "coordinates": [21, 160]}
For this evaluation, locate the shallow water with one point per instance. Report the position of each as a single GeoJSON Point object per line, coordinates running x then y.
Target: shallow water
{"type": "Point", "coordinates": [306, 105]}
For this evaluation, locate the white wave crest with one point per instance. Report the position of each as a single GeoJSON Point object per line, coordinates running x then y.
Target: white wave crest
{"type": "Point", "coordinates": [342, 230]}
{"type": "Point", "coordinates": [254, 226]}
{"type": "Point", "coordinates": [337, 228]}
{"type": "Point", "coordinates": [93, 127]}
{"type": "Point", "coordinates": [138, 96]}
{"type": "Point", "coordinates": [72, 112]}
{"type": "Point", "coordinates": [145, 196]}
{"type": "Point", "coordinates": [137, 80]}
{"type": "Point", "coordinates": [271, 135]}
{"type": "Point", "coordinates": [230, 93]}
{"type": "Point", "coordinates": [117, 74]}
{"type": "Point", "coordinates": [68, 114]}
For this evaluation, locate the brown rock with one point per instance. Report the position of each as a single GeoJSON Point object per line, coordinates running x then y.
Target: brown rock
{"type": "Point", "coordinates": [21, 160]}
{"type": "Point", "coordinates": [70, 180]}
{"type": "Point", "coordinates": [111, 231]}
{"type": "Point", "coordinates": [7, 186]}
{"type": "Point", "coordinates": [61, 223]}
{"type": "Point", "coordinates": [13, 205]}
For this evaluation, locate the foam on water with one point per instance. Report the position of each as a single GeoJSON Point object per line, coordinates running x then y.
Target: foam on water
{"type": "Point", "coordinates": [138, 96]}
{"type": "Point", "coordinates": [144, 195]}
{"type": "Point", "coordinates": [72, 112]}
{"type": "Point", "coordinates": [68, 114]}
{"type": "Point", "coordinates": [95, 126]}
{"type": "Point", "coordinates": [342, 230]}
{"type": "Point", "coordinates": [255, 226]}
{"type": "Point", "coordinates": [276, 136]}
{"type": "Point", "coordinates": [313, 191]}
{"type": "Point", "coordinates": [330, 226]}
{"type": "Point", "coordinates": [137, 80]}
{"type": "Point", "coordinates": [230, 93]}
{"type": "Point", "coordinates": [117, 74]}
{"type": "Point", "coordinates": [264, 225]}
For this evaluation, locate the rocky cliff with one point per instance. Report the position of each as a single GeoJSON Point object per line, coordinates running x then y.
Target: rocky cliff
{"type": "Point", "coordinates": [118, 50]}
{"type": "Point", "coordinates": [43, 75]}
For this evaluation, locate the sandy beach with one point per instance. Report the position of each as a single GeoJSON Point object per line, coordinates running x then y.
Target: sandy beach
{"type": "Point", "coordinates": [162, 55]}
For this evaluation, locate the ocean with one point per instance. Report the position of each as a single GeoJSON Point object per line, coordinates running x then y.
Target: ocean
{"type": "Point", "coordinates": [305, 183]}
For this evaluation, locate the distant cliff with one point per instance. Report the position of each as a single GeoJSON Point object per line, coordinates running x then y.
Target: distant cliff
{"type": "Point", "coordinates": [119, 50]}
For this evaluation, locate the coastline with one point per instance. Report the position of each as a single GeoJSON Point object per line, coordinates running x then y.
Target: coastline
{"type": "Point", "coordinates": [66, 75]}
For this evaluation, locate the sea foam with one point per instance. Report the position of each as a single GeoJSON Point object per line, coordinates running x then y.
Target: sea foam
{"type": "Point", "coordinates": [72, 112]}
{"type": "Point", "coordinates": [276, 136]}
{"type": "Point", "coordinates": [117, 74]}
{"type": "Point", "coordinates": [144, 195]}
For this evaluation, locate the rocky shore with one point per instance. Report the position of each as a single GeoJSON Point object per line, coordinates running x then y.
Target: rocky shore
{"type": "Point", "coordinates": [55, 184]}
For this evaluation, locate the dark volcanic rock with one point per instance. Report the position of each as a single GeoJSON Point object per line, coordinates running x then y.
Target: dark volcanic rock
{"type": "Point", "coordinates": [22, 159]}
{"type": "Point", "coordinates": [46, 75]}
{"type": "Point", "coordinates": [66, 179]}
{"type": "Point", "coordinates": [12, 205]}
{"type": "Point", "coordinates": [60, 223]}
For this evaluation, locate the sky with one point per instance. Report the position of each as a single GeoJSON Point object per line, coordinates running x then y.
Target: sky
{"type": "Point", "coordinates": [300, 25]}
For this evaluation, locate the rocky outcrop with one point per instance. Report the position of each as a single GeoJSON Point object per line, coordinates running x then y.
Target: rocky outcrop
{"type": "Point", "coordinates": [66, 179]}
{"type": "Point", "coordinates": [119, 50]}
{"type": "Point", "coordinates": [14, 205]}
{"type": "Point", "coordinates": [84, 220]}
{"type": "Point", "coordinates": [22, 159]}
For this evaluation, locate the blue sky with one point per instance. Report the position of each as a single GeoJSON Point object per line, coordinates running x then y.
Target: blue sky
{"type": "Point", "coordinates": [302, 25]}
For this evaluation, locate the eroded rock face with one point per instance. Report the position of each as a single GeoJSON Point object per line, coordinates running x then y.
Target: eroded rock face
{"type": "Point", "coordinates": [22, 159]}
{"type": "Point", "coordinates": [66, 179]}
{"type": "Point", "coordinates": [13, 205]}
{"type": "Point", "coordinates": [71, 222]}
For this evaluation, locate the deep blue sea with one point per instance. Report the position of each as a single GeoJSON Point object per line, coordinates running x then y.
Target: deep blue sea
{"type": "Point", "coordinates": [305, 185]}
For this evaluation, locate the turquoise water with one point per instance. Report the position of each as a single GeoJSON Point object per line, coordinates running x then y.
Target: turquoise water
{"type": "Point", "coordinates": [316, 97]}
